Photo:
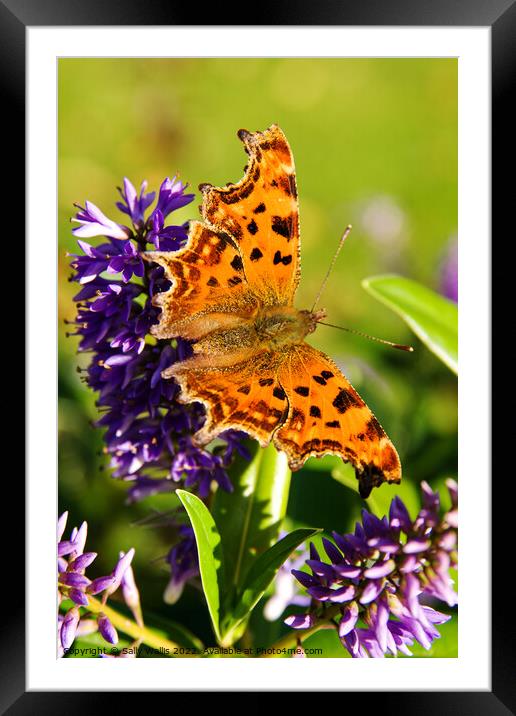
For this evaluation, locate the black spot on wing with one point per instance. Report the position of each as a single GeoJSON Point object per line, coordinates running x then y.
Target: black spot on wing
{"type": "Point", "coordinates": [255, 254]}
{"type": "Point", "coordinates": [292, 182]}
{"type": "Point", "coordinates": [374, 429]}
{"type": "Point", "coordinates": [266, 381]}
{"type": "Point", "coordinates": [279, 393]}
{"type": "Point", "coordinates": [319, 379]}
{"type": "Point", "coordinates": [315, 412]}
{"type": "Point", "coordinates": [332, 424]}
{"type": "Point", "coordinates": [302, 390]}
{"type": "Point", "coordinates": [259, 209]}
{"type": "Point", "coordinates": [236, 263]}
{"type": "Point", "coordinates": [279, 259]}
{"type": "Point", "coordinates": [282, 226]}
{"type": "Point", "coordinates": [298, 418]}
{"type": "Point", "coordinates": [345, 400]}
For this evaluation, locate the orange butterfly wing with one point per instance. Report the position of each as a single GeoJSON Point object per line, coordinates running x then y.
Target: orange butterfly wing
{"type": "Point", "coordinates": [240, 266]}
{"type": "Point", "coordinates": [261, 214]}
{"type": "Point", "coordinates": [326, 415]}
{"type": "Point", "coordinates": [209, 288]}
{"type": "Point", "coordinates": [244, 395]}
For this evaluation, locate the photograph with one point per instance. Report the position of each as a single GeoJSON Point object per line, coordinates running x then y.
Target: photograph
{"type": "Point", "coordinates": [258, 356]}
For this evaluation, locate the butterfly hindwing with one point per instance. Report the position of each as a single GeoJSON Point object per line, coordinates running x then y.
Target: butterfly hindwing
{"type": "Point", "coordinates": [326, 415]}
{"type": "Point", "coordinates": [244, 395]}
{"type": "Point", "coordinates": [261, 215]}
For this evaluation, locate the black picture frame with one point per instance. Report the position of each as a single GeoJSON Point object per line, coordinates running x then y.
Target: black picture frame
{"type": "Point", "coordinates": [500, 16]}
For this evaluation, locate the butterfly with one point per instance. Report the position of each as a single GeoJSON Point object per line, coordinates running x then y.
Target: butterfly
{"type": "Point", "coordinates": [232, 293]}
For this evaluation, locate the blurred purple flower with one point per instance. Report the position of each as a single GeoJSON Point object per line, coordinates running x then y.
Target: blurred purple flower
{"type": "Point", "coordinates": [73, 584]}
{"type": "Point", "coordinates": [377, 576]}
{"type": "Point", "coordinates": [183, 562]}
{"type": "Point", "coordinates": [147, 431]}
{"type": "Point", "coordinates": [450, 271]}
{"type": "Point", "coordinates": [286, 587]}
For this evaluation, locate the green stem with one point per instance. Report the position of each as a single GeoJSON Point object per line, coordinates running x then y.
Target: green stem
{"type": "Point", "coordinates": [129, 627]}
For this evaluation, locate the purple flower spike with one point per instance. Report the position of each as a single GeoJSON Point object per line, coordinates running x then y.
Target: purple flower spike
{"type": "Point", "coordinates": [69, 627]}
{"type": "Point", "coordinates": [74, 579]}
{"type": "Point", "coordinates": [382, 569]}
{"type": "Point", "coordinates": [184, 564]}
{"type": "Point", "coordinates": [121, 567]}
{"type": "Point", "coordinates": [286, 587]}
{"type": "Point", "coordinates": [349, 619]}
{"type": "Point", "coordinates": [300, 621]}
{"type": "Point", "coordinates": [95, 223]}
{"type": "Point", "coordinates": [131, 594]}
{"type": "Point", "coordinates": [135, 205]}
{"type": "Point", "coordinates": [449, 272]}
{"type": "Point", "coordinates": [107, 630]}
{"type": "Point", "coordinates": [61, 525]}
{"type": "Point", "coordinates": [171, 197]}
{"type": "Point", "coordinates": [128, 262]}
{"type": "Point", "coordinates": [82, 561]}
{"type": "Point", "coordinates": [79, 597]}
{"type": "Point", "coordinates": [101, 584]}
{"type": "Point", "coordinates": [147, 432]}
{"type": "Point", "coordinates": [74, 585]}
{"type": "Point", "coordinates": [379, 576]}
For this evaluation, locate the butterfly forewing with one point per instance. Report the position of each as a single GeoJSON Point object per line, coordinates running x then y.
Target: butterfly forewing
{"type": "Point", "coordinates": [209, 288]}
{"type": "Point", "coordinates": [261, 214]}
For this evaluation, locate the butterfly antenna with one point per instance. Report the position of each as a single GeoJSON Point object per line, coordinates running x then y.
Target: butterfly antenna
{"type": "Point", "coordinates": [332, 264]}
{"type": "Point", "coordinates": [399, 346]}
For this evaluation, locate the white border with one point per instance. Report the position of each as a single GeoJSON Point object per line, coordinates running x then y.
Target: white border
{"type": "Point", "coordinates": [472, 669]}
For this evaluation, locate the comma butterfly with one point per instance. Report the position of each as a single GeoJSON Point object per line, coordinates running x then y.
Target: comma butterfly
{"type": "Point", "coordinates": [233, 286]}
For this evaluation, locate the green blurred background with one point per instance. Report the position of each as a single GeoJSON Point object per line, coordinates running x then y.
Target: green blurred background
{"type": "Point", "coordinates": [375, 145]}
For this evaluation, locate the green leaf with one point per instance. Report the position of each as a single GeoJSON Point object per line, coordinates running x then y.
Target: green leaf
{"type": "Point", "coordinates": [250, 517]}
{"type": "Point", "coordinates": [209, 551]}
{"type": "Point", "coordinates": [265, 568]}
{"type": "Point", "coordinates": [433, 318]}
{"type": "Point", "coordinates": [249, 520]}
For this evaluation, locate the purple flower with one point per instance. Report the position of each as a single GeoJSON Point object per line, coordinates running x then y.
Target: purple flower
{"type": "Point", "coordinates": [147, 431]}
{"type": "Point", "coordinates": [449, 272]}
{"type": "Point", "coordinates": [128, 262]}
{"type": "Point", "coordinates": [74, 585]}
{"type": "Point", "coordinates": [171, 197]}
{"type": "Point", "coordinates": [184, 564]}
{"type": "Point", "coordinates": [376, 578]}
{"type": "Point", "coordinates": [286, 588]}
{"type": "Point", "coordinates": [94, 223]}
{"type": "Point", "coordinates": [135, 205]}
{"type": "Point", "coordinates": [166, 238]}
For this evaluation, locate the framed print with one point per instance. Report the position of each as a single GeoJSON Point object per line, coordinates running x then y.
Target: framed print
{"type": "Point", "coordinates": [246, 408]}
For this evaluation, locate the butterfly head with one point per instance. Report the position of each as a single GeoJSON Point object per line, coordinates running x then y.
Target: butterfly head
{"type": "Point", "coordinates": [279, 326]}
{"type": "Point", "coordinates": [312, 318]}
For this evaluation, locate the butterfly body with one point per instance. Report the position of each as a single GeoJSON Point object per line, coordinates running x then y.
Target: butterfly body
{"type": "Point", "coordinates": [232, 293]}
{"type": "Point", "coordinates": [281, 326]}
